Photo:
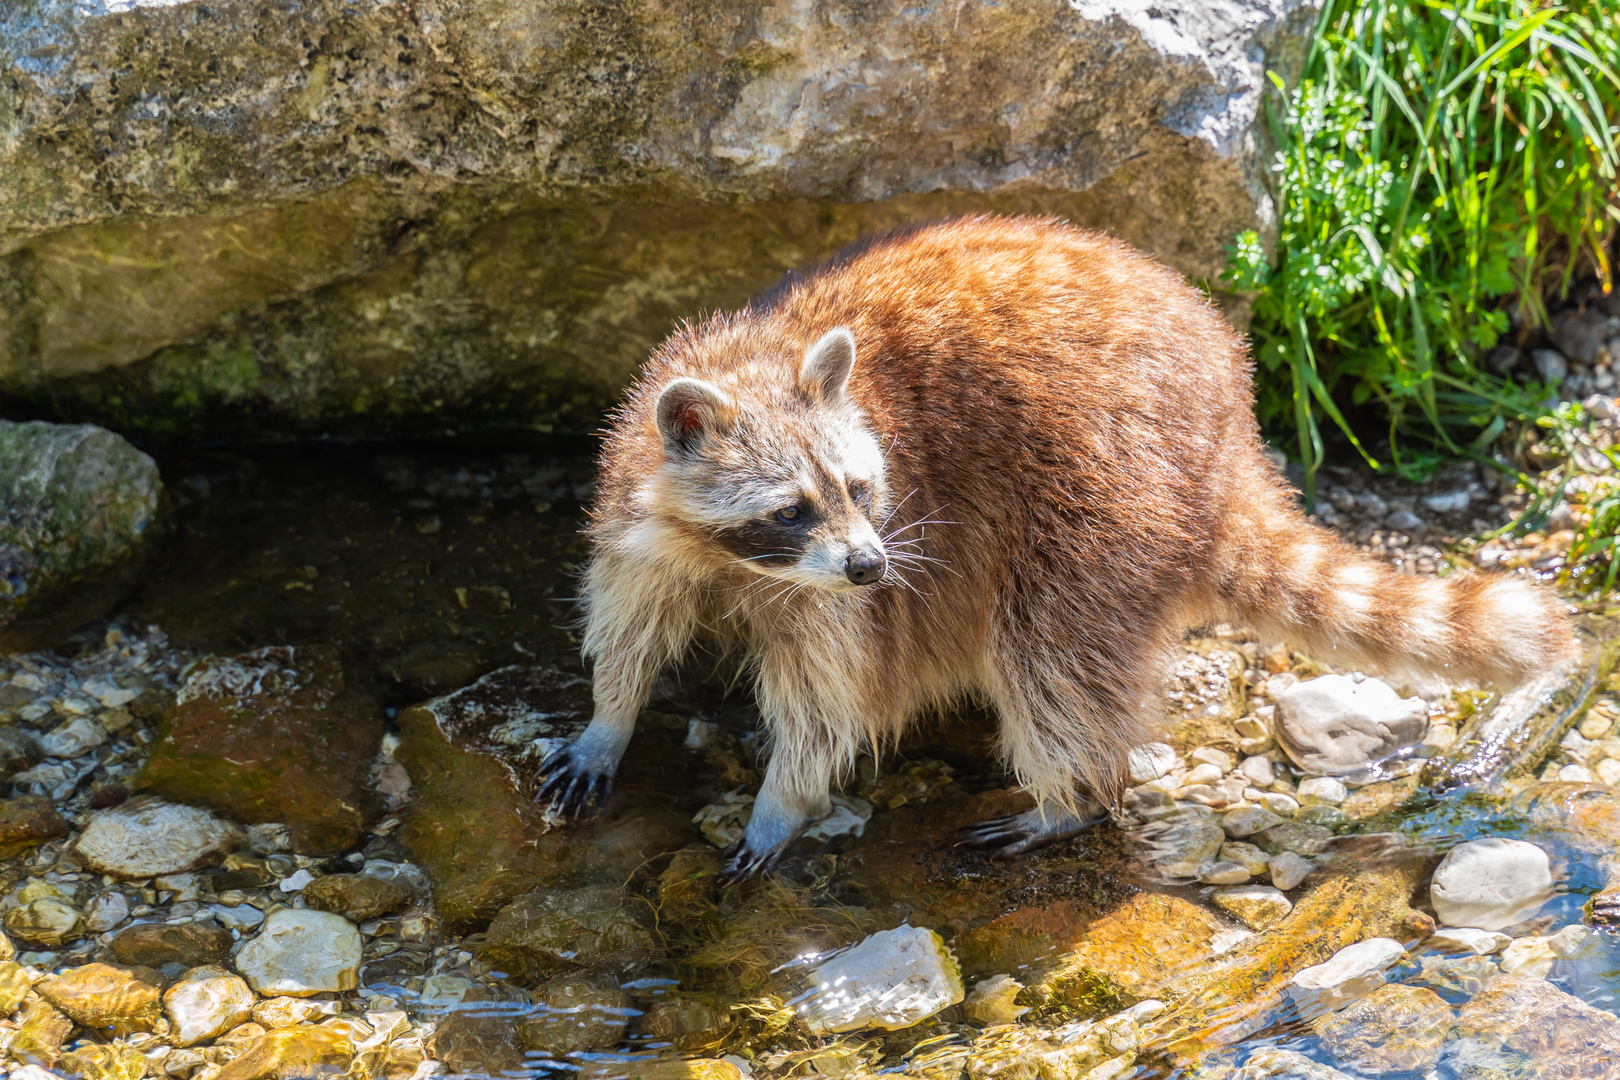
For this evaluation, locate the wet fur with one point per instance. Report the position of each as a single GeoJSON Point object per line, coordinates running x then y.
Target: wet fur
{"type": "Point", "coordinates": [1066, 473]}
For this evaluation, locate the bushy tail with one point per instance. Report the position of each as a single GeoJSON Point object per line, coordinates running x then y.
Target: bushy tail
{"type": "Point", "coordinates": [1292, 581]}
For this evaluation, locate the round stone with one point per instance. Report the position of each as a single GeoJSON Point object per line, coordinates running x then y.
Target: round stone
{"type": "Point", "coordinates": [1248, 820]}
{"type": "Point", "coordinates": [1258, 907]}
{"type": "Point", "coordinates": [1352, 972]}
{"type": "Point", "coordinates": [1151, 761]}
{"type": "Point", "coordinates": [302, 952]}
{"type": "Point", "coordinates": [146, 837]}
{"type": "Point", "coordinates": [206, 1002]}
{"type": "Point", "coordinates": [1224, 873]}
{"type": "Point", "coordinates": [1289, 869]}
{"type": "Point", "coordinates": [1322, 791]}
{"type": "Point", "coordinates": [1491, 884]}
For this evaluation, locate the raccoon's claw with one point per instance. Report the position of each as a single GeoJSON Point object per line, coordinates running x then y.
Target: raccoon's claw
{"type": "Point", "coordinates": [743, 863]}
{"type": "Point", "coordinates": [568, 784]}
{"type": "Point", "coordinates": [1016, 834]}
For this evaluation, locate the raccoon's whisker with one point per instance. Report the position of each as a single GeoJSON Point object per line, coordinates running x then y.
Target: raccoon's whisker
{"type": "Point", "coordinates": [767, 555]}
{"type": "Point", "coordinates": [896, 508]}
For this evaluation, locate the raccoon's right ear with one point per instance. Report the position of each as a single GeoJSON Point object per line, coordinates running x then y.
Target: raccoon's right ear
{"type": "Point", "coordinates": [689, 409]}
{"type": "Point", "coordinates": [827, 366]}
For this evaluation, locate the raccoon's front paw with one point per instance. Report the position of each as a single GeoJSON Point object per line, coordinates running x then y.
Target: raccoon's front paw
{"type": "Point", "coordinates": [761, 847]}
{"type": "Point", "coordinates": [1016, 834]}
{"type": "Point", "coordinates": [569, 780]}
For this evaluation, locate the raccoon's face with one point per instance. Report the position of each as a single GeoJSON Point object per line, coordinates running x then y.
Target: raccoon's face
{"type": "Point", "coordinates": [785, 487]}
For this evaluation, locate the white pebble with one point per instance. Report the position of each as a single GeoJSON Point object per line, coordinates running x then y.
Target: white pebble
{"type": "Point", "coordinates": [1248, 820]}
{"type": "Point", "coordinates": [1575, 774]}
{"type": "Point", "coordinates": [1209, 755]}
{"type": "Point", "coordinates": [1335, 724]}
{"type": "Point", "coordinates": [146, 837]}
{"type": "Point", "coordinates": [1322, 791]}
{"type": "Point", "coordinates": [296, 881]}
{"type": "Point", "coordinates": [1530, 956]}
{"type": "Point", "coordinates": [1202, 774]}
{"type": "Point", "coordinates": [1351, 973]}
{"type": "Point", "coordinates": [1280, 804]}
{"type": "Point", "coordinates": [1224, 873]}
{"type": "Point", "coordinates": [892, 979]}
{"type": "Point", "coordinates": [1258, 907]}
{"type": "Point", "coordinates": [207, 1001]}
{"type": "Point", "coordinates": [1259, 771]}
{"type": "Point", "coordinates": [1289, 869]}
{"type": "Point", "coordinates": [1151, 761]}
{"type": "Point", "coordinates": [1491, 884]}
{"type": "Point", "coordinates": [301, 952]}
{"type": "Point", "coordinates": [1608, 772]}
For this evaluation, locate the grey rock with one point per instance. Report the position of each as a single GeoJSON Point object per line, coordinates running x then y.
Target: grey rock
{"type": "Point", "coordinates": [1271, 1063]}
{"type": "Point", "coordinates": [1580, 334]}
{"type": "Point", "coordinates": [78, 506]}
{"type": "Point", "coordinates": [492, 208]}
{"type": "Point", "coordinates": [1404, 521]}
{"type": "Point", "coordinates": [1550, 365]}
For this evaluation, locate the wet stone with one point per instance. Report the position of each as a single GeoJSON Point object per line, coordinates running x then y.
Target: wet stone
{"type": "Point", "coordinates": [47, 920]}
{"type": "Point", "coordinates": [1393, 1029]}
{"type": "Point", "coordinates": [892, 979]}
{"type": "Point", "coordinates": [1259, 907]}
{"type": "Point", "coordinates": [357, 897]}
{"type": "Point", "coordinates": [479, 1038]}
{"type": "Point", "coordinates": [14, 986]}
{"type": "Point", "coordinates": [575, 1012]}
{"type": "Point", "coordinates": [1185, 846]}
{"type": "Point", "coordinates": [157, 945]}
{"type": "Point", "coordinates": [96, 1061]}
{"type": "Point", "coordinates": [274, 735]}
{"type": "Point", "coordinates": [1524, 1026]}
{"type": "Point", "coordinates": [1295, 837]}
{"type": "Point", "coordinates": [205, 1003]}
{"type": "Point", "coordinates": [1144, 947]}
{"type": "Point", "coordinates": [290, 1052]}
{"type": "Point", "coordinates": [689, 1025]}
{"type": "Point", "coordinates": [1455, 978]}
{"type": "Point", "coordinates": [106, 911]}
{"type": "Point", "coordinates": [100, 995]}
{"type": "Point", "coordinates": [1351, 973]}
{"type": "Point", "coordinates": [1491, 884]}
{"type": "Point", "coordinates": [41, 1030]}
{"type": "Point", "coordinates": [145, 837]}
{"type": "Point", "coordinates": [543, 934]}
{"type": "Point", "coordinates": [993, 1001]}
{"type": "Point", "coordinates": [299, 953]}
{"type": "Point", "coordinates": [1533, 955]}
{"type": "Point", "coordinates": [1468, 939]}
{"type": "Point", "coordinates": [1288, 870]}
{"type": "Point", "coordinates": [1271, 1063]}
{"type": "Point", "coordinates": [473, 757]}
{"type": "Point", "coordinates": [18, 751]}
{"type": "Point", "coordinates": [280, 1012]}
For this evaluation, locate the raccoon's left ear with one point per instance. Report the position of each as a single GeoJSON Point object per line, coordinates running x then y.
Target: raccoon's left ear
{"type": "Point", "coordinates": [827, 366]}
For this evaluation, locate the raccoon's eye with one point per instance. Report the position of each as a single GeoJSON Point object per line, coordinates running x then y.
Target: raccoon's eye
{"type": "Point", "coordinates": [789, 514]}
{"type": "Point", "coordinates": [858, 490]}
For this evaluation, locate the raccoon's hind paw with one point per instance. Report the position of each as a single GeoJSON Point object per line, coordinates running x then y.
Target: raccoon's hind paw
{"type": "Point", "coordinates": [1017, 834]}
{"type": "Point", "coordinates": [568, 782]}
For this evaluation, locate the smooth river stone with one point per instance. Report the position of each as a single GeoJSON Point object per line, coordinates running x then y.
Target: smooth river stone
{"type": "Point", "coordinates": [206, 1002]}
{"type": "Point", "coordinates": [891, 980]}
{"type": "Point", "coordinates": [145, 837]}
{"type": "Point", "coordinates": [300, 953]}
{"type": "Point", "coordinates": [1350, 973]}
{"type": "Point", "coordinates": [1333, 725]}
{"type": "Point", "coordinates": [1491, 884]}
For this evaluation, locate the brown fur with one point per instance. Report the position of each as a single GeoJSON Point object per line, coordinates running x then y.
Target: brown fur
{"type": "Point", "coordinates": [1078, 425]}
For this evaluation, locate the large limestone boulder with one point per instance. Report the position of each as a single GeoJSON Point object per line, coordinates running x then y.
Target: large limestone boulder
{"type": "Point", "coordinates": [240, 215]}
{"type": "Point", "coordinates": [78, 506]}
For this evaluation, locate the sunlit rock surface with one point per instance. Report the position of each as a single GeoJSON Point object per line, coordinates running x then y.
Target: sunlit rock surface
{"type": "Point", "coordinates": [327, 216]}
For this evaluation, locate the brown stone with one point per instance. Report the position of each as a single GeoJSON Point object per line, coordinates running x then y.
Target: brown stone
{"type": "Point", "coordinates": [542, 934]}
{"type": "Point", "coordinates": [27, 822]}
{"type": "Point", "coordinates": [193, 944]}
{"type": "Point", "coordinates": [357, 897]}
{"type": "Point", "coordinates": [1545, 1032]}
{"type": "Point", "coordinates": [101, 995]}
{"type": "Point", "coordinates": [576, 1012]}
{"type": "Point", "coordinates": [14, 986]}
{"type": "Point", "coordinates": [19, 749]}
{"type": "Point", "coordinates": [274, 735]}
{"type": "Point", "coordinates": [1394, 1029]}
{"type": "Point", "coordinates": [480, 1041]}
{"type": "Point", "coordinates": [290, 1052]}
{"type": "Point", "coordinates": [662, 1069]}
{"type": "Point", "coordinates": [474, 758]}
{"type": "Point", "coordinates": [41, 1031]}
{"type": "Point", "coordinates": [688, 886]}
{"type": "Point", "coordinates": [1143, 948]}
{"type": "Point", "coordinates": [97, 1061]}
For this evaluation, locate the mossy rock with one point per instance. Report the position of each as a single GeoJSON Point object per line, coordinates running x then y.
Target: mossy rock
{"type": "Point", "coordinates": [274, 735]}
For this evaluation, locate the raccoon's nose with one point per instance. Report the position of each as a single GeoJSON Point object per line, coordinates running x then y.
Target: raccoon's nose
{"type": "Point", "coordinates": [865, 567]}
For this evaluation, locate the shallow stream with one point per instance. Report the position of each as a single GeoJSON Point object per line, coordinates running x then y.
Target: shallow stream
{"type": "Point", "coordinates": [431, 566]}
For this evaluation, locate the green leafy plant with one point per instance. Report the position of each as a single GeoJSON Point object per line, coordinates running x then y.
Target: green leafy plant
{"type": "Point", "coordinates": [1437, 163]}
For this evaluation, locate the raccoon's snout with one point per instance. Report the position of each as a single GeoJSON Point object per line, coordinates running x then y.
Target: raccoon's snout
{"type": "Point", "coordinates": [865, 567]}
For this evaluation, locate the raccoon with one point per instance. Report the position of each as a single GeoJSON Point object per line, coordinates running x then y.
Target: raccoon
{"type": "Point", "coordinates": [1001, 459]}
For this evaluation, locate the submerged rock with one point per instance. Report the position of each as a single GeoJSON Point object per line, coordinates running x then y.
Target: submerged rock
{"type": "Point", "coordinates": [1491, 884]}
{"type": "Point", "coordinates": [1393, 1029]}
{"type": "Point", "coordinates": [1351, 973]}
{"type": "Point", "coordinates": [1144, 947]}
{"type": "Point", "coordinates": [290, 1052]}
{"type": "Point", "coordinates": [100, 995]}
{"type": "Point", "coordinates": [78, 506]}
{"type": "Point", "coordinates": [206, 1002]}
{"type": "Point", "coordinates": [157, 945]}
{"type": "Point", "coordinates": [1524, 1026]}
{"type": "Point", "coordinates": [145, 837]}
{"type": "Point", "coordinates": [300, 953]}
{"type": "Point", "coordinates": [1270, 1063]}
{"type": "Point", "coordinates": [274, 735]}
{"type": "Point", "coordinates": [542, 934]}
{"type": "Point", "coordinates": [891, 980]}
{"type": "Point", "coordinates": [1259, 907]}
{"type": "Point", "coordinates": [992, 1001]}
{"type": "Point", "coordinates": [1333, 725]}
{"type": "Point", "coordinates": [479, 1038]}
{"type": "Point", "coordinates": [357, 897]}
{"type": "Point", "coordinates": [576, 1012]}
